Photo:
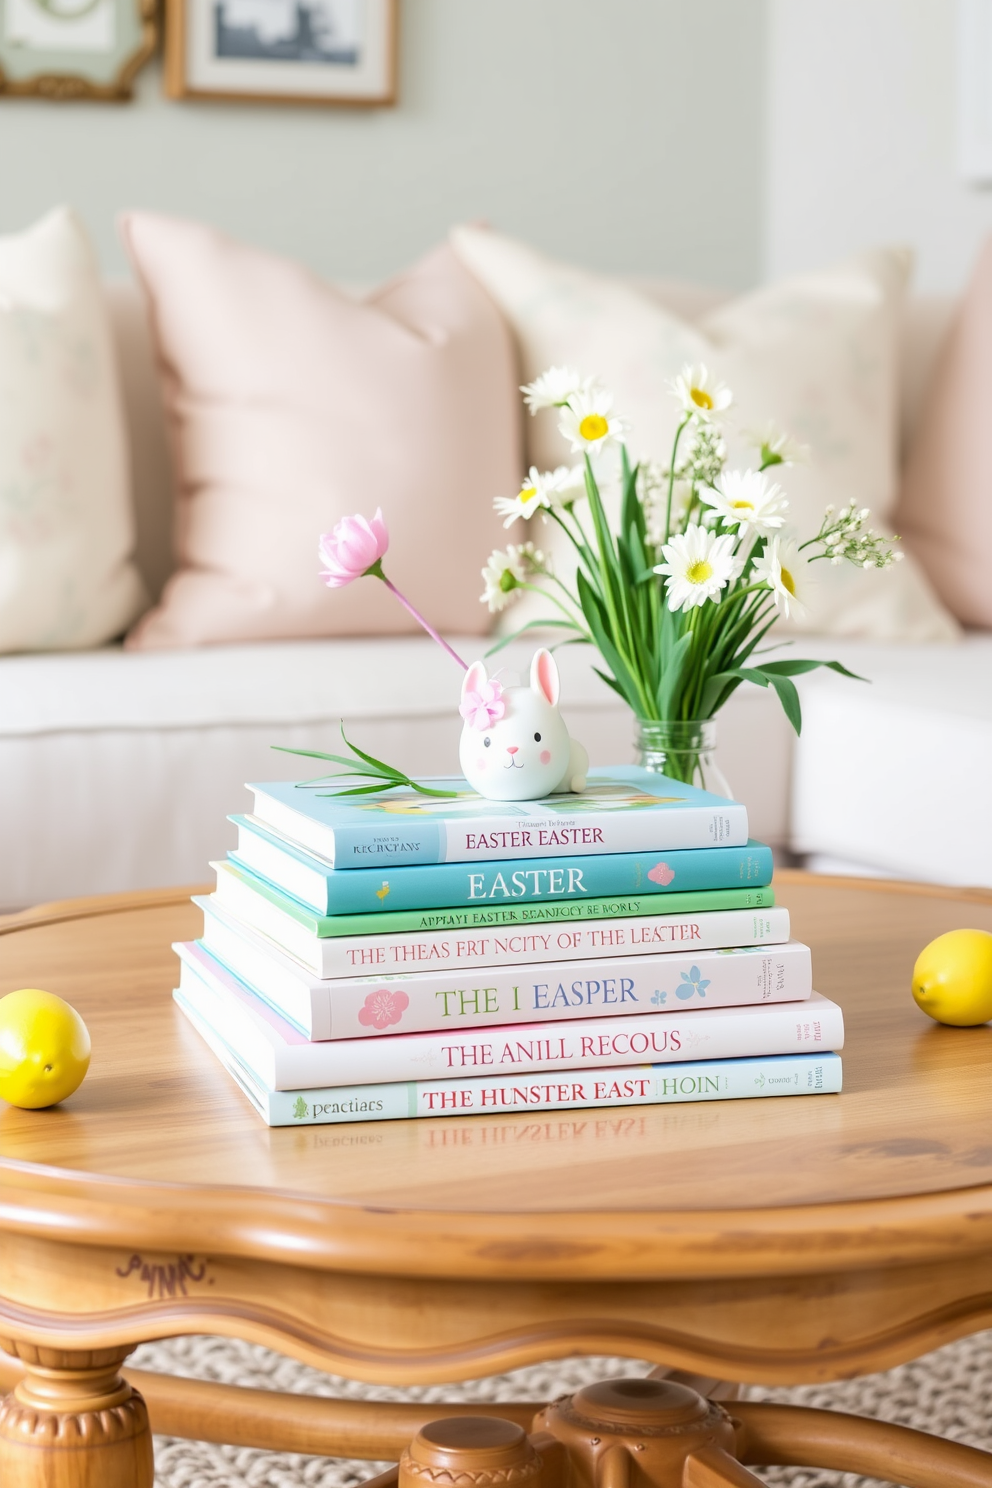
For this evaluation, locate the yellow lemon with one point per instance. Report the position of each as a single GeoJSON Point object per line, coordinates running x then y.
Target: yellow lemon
{"type": "Point", "coordinates": [952, 978]}
{"type": "Point", "coordinates": [44, 1048]}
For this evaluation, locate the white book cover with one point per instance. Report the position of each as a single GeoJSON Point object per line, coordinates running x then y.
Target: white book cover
{"type": "Point", "coordinates": [493, 1095]}
{"type": "Point", "coordinates": [358, 1007]}
{"type": "Point", "coordinates": [514, 945]}
{"type": "Point", "coordinates": [282, 1058]}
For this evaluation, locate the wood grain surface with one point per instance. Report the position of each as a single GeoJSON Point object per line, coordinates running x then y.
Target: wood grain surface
{"type": "Point", "coordinates": [802, 1238]}
{"type": "Point", "coordinates": [914, 1117]}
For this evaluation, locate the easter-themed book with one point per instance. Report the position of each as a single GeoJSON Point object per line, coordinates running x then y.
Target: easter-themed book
{"type": "Point", "coordinates": [623, 808]}
{"type": "Point", "coordinates": [302, 931]}
{"type": "Point", "coordinates": [420, 950]}
{"type": "Point", "coordinates": [631, 1085]}
{"type": "Point", "coordinates": [283, 1058]}
{"type": "Point", "coordinates": [357, 1007]}
{"type": "Point", "coordinates": [333, 891]}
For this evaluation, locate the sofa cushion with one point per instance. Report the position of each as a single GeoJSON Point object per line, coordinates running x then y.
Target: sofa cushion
{"type": "Point", "coordinates": [66, 530]}
{"type": "Point", "coordinates": [945, 507]}
{"type": "Point", "coordinates": [818, 355]}
{"type": "Point", "coordinates": [291, 406]}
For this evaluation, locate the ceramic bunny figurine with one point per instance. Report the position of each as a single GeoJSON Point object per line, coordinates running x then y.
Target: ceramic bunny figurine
{"type": "Point", "coordinates": [514, 745]}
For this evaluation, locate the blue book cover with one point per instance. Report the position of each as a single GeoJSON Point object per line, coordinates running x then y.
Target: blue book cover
{"type": "Point", "coordinates": [433, 886]}
{"type": "Point", "coordinates": [623, 809]}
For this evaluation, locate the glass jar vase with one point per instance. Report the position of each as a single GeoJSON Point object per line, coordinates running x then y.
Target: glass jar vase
{"type": "Point", "coordinates": [682, 750]}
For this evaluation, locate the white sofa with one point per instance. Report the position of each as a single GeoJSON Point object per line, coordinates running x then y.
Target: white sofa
{"type": "Point", "coordinates": [118, 770]}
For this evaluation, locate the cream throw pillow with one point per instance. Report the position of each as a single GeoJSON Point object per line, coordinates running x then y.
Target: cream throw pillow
{"type": "Point", "coordinates": [66, 527]}
{"type": "Point", "coordinates": [816, 355]}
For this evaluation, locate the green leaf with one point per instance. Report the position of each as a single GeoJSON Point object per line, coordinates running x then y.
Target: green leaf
{"type": "Point", "coordinates": [369, 759]}
{"type": "Point", "coordinates": [673, 665]}
{"type": "Point", "coordinates": [794, 667]}
{"type": "Point", "coordinates": [386, 771]}
{"type": "Point", "coordinates": [537, 624]}
{"type": "Point", "coordinates": [592, 608]}
{"type": "Point", "coordinates": [354, 790]}
{"type": "Point", "coordinates": [788, 696]}
{"type": "Point", "coordinates": [719, 687]}
{"type": "Point", "coordinates": [611, 682]}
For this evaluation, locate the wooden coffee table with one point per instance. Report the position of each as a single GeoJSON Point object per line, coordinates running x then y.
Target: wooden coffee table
{"type": "Point", "coordinates": [805, 1239]}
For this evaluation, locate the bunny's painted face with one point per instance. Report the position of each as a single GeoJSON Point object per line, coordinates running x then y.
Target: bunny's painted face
{"type": "Point", "coordinates": [523, 754]}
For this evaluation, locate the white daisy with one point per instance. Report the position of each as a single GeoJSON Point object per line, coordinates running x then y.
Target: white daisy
{"type": "Point", "coordinates": [747, 499]}
{"type": "Point", "coordinates": [784, 569]}
{"type": "Point", "coordinates": [554, 388]}
{"type": "Point", "coordinates": [506, 571]}
{"type": "Point", "coordinates": [777, 448]}
{"type": "Point", "coordinates": [700, 394]}
{"type": "Point", "coordinates": [698, 565]}
{"type": "Point", "coordinates": [588, 422]}
{"type": "Point", "coordinates": [540, 491]}
{"type": "Point", "coordinates": [569, 483]}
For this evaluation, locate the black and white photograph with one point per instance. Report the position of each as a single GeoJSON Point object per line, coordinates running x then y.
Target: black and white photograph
{"type": "Point", "coordinates": [317, 51]}
{"type": "Point", "coordinates": [327, 31]}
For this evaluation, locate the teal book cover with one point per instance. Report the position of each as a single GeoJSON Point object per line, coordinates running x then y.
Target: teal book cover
{"type": "Point", "coordinates": [624, 808]}
{"type": "Point", "coordinates": [333, 891]}
{"type": "Point", "coordinates": [241, 890]}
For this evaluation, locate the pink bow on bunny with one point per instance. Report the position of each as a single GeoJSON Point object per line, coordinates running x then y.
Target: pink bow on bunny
{"type": "Point", "coordinates": [481, 707]}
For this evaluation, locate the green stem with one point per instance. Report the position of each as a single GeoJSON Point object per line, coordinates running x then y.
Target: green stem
{"type": "Point", "coordinates": [671, 478]}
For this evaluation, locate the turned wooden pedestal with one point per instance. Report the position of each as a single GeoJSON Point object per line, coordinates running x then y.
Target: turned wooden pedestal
{"type": "Point", "coordinates": [73, 1422]}
{"type": "Point", "coordinates": [769, 1241]}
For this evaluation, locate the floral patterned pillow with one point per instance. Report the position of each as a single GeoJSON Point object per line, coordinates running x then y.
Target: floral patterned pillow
{"type": "Point", "coordinates": [67, 578]}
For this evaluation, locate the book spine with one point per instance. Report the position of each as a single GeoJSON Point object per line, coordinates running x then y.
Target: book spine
{"type": "Point", "coordinates": [729, 1079]}
{"type": "Point", "coordinates": [593, 940]}
{"type": "Point", "coordinates": [640, 935]}
{"type": "Point", "coordinates": [556, 992]}
{"type": "Point", "coordinates": [520, 1049]}
{"type": "Point", "coordinates": [567, 830]}
{"type": "Point", "coordinates": [252, 897]}
{"type": "Point", "coordinates": [361, 891]}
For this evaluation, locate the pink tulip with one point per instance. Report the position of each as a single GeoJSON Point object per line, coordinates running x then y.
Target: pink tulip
{"type": "Point", "coordinates": [355, 547]}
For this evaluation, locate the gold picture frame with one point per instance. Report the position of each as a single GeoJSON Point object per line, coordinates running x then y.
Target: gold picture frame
{"type": "Point", "coordinates": [71, 49]}
{"type": "Point", "coordinates": [341, 52]}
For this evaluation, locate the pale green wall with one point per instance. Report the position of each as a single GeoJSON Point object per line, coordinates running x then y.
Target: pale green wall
{"type": "Point", "coordinates": [625, 135]}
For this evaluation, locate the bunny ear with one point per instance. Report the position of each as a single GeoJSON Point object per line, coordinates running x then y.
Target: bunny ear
{"type": "Point", "coordinates": [544, 676]}
{"type": "Point", "coordinates": [474, 678]}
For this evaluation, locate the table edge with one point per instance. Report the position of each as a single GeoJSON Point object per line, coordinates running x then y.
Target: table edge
{"type": "Point", "coordinates": [87, 1209]}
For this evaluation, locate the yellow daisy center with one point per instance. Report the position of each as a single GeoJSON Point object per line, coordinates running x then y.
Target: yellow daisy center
{"type": "Point", "coordinates": [593, 426]}
{"type": "Point", "coordinates": [742, 505]}
{"type": "Point", "coordinates": [700, 397]}
{"type": "Point", "coordinates": [699, 572]}
{"type": "Point", "coordinates": [528, 493]}
{"type": "Point", "coordinates": [788, 582]}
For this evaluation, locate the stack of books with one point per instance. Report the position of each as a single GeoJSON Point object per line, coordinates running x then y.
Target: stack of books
{"type": "Point", "coordinates": [374, 957]}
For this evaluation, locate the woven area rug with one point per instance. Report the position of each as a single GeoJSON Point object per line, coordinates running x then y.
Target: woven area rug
{"type": "Point", "coordinates": [947, 1392]}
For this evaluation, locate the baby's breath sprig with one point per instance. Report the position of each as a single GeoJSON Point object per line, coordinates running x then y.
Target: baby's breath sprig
{"type": "Point", "coordinates": [705, 457]}
{"type": "Point", "coordinates": [844, 538]}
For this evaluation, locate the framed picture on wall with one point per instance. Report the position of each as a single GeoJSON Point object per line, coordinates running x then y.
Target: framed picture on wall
{"type": "Point", "coordinates": [281, 51]}
{"type": "Point", "coordinates": [74, 48]}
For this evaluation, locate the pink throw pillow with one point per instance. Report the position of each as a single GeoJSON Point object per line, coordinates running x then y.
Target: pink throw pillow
{"type": "Point", "coordinates": [945, 505]}
{"type": "Point", "coordinates": [292, 405]}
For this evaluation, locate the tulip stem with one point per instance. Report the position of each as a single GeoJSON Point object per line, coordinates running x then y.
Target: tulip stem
{"type": "Point", "coordinates": [377, 570]}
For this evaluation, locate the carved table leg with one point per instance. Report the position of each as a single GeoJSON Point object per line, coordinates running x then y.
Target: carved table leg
{"type": "Point", "coordinates": [72, 1422]}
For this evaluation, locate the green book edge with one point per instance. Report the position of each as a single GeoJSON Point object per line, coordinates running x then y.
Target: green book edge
{"type": "Point", "coordinates": [403, 921]}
